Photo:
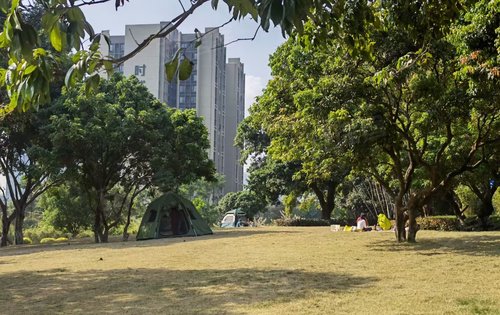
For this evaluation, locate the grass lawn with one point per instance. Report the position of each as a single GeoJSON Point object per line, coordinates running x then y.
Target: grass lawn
{"type": "Point", "coordinates": [267, 270]}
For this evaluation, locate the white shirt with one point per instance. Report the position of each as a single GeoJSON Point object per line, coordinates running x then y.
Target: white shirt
{"type": "Point", "coordinates": [361, 224]}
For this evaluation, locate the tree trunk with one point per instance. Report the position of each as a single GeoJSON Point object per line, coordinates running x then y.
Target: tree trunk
{"type": "Point", "coordinates": [100, 233]}
{"type": "Point", "coordinates": [125, 234]}
{"type": "Point", "coordinates": [105, 226]}
{"type": "Point", "coordinates": [326, 213]}
{"type": "Point", "coordinates": [103, 235]}
{"type": "Point", "coordinates": [327, 202]}
{"type": "Point", "coordinates": [290, 201]}
{"type": "Point", "coordinates": [414, 204]}
{"type": "Point", "coordinates": [450, 196]}
{"type": "Point", "coordinates": [400, 219]}
{"type": "Point", "coordinates": [486, 197]}
{"type": "Point", "coordinates": [18, 228]}
{"type": "Point", "coordinates": [6, 221]}
{"type": "Point", "coordinates": [5, 231]}
{"type": "Point", "coordinates": [97, 225]}
{"type": "Point", "coordinates": [127, 224]}
{"type": "Point", "coordinates": [485, 211]}
{"type": "Point", "coordinates": [412, 224]}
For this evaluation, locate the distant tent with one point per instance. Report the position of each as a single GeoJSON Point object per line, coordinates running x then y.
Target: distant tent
{"type": "Point", "coordinates": [171, 215]}
{"type": "Point", "coordinates": [234, 218]}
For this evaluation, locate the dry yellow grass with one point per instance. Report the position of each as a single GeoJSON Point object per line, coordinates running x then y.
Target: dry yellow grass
{"type": "Point", "coordinates": [258, 271]}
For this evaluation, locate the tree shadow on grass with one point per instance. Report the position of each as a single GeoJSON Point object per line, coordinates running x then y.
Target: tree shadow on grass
{"type": "Point", "coordinates": [116, 243]}
{"type": "Point", "coordinates": [473, 245]}
{"type": "Point", "coordinates": [161, 291]}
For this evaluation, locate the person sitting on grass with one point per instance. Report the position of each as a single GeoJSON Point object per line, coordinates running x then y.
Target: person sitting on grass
{"type": "Point", "coordinates": [362, 223]}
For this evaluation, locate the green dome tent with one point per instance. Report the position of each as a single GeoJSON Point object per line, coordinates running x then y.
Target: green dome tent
{"type": "Point", "coordinates": [171, 215]}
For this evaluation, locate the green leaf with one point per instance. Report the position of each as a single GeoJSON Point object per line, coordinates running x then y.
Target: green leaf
{"type": "Point", "coordinates": [75, 14]}
{"type": "Point", "coordinates": [171, 66]}
{"type": "Point", "coordinates": [277, 12]}
{"type": "Point", "coordinates": [171, 69]}
{"type": "Point", "coordinates": [4, 42]}
{"type": "Point", "coordinates": [4, 6]}
{"type": "Point", "coordinates": [49, 20]}
{"type": "Point", "coordinates": [106, 38]}
{"type": "Point", "coordinates": [69, 76]}
{"type": "Point", "coordinates": [108, 65]}
{"type": "Point", "coordinates": [95, 42]}
{"type": "Point", "coordinates": [15, 21]}
{"type": "Point", "coordinates": [15, 4]}
{"type": "Point", "coordinates": [92, 82]}
{"type": "Point", "coordinates": [56, 37]}
{"type": "Point", "coordinates": [185, 69]}
{"type": "Point", "coordinates": [30, 69]}
{"type": "Point", "coordinates": [241, 8]}
{"type": "Point", "coordinates": [89, 29]}
{"type": "Point", "coordinates": [198, 37]}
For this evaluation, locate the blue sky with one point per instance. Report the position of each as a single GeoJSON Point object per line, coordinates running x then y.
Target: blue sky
{"type": "Point", "coordinates": [254, 54]}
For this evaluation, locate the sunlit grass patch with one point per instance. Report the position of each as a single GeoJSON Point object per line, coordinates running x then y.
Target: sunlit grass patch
{"type": "Point", "coordinates": [258, 271]}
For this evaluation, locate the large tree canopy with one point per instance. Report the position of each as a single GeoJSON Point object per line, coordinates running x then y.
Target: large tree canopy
{"type": "Point", "coordinates": [420, 109]}
{"type": "Point", "coordinates": [122, 136]}
{"type": "Point", "coordinates": [304, 111]}
{"type": "Point", "coordinates": [27, 164]}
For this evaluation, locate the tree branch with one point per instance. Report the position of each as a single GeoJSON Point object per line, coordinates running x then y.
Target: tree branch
{"type": "Point", "coordinates": [449, 136]}
{"type": "Point", "coordinates": [84, 3]}
{"type": "Point", "coordinates": [242, 39]}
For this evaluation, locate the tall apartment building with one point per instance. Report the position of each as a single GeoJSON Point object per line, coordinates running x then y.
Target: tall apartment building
{"type": "Point", "coordinates": [211, 66]}
{"type": "Point", "coordinates": [235, 112]}
{"type": "Point", "coordinates": [206, 89]}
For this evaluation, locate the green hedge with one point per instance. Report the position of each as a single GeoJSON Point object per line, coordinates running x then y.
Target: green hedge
{"type": "Point", "coordinates": [49, 240]}
{"type": "Point", "coordinates": [440, 223]}
{"type": "Point", "coordinates": [38, 234]}
{"type": "Point", "coordinates": [301, 222]}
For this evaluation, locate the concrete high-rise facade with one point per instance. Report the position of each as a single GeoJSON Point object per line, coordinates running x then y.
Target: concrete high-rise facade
{"type": "Point", "coordinates": [210, 100]}
{"type": "Point", "coordinates": [235, 112]}
{"type": "Point", "coordinates": [205, 90]}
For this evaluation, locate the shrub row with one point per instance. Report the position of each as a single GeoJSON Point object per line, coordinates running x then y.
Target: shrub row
{"type": "Point", "coordinates": [49, 240]}
{"type": "Point", "coordinates": [301, 222]}
{"type": "Point", "coordinates": [439, 223]}
{"type": "Point", "coordinates": [35, 235]}
{"type": "Point", "coordinates": [451, 223]}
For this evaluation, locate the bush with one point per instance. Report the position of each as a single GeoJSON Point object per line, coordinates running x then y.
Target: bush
{"type": "Point", "coordinates": [39, 233]}
{"type": "Point", "coordinates": [132, 228]}
{"type": "Point", "coordinates": [27, 240]}
{"type": "Point", "coordinates": [50, 240]}
{"type": "Point", "coordinates": [86, 233]}
{"type": "Point", "coordinates": [301, 222]}
{"type": "Point", "coordinates": [439, 223]}
{"type": "Point", "coordinates": [495, 221]}
{"type": "Point", "coordinates": [474, 224]}
{"type": "Point", "coordinates": [47, 240]}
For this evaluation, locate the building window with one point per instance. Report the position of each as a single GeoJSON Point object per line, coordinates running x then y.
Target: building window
{"type": "Point", "coordinates": [140, 70]}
